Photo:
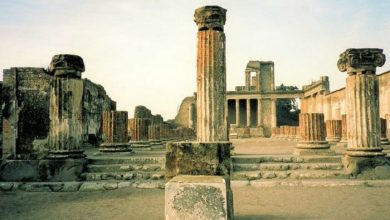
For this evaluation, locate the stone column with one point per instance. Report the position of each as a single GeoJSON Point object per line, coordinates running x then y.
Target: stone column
{"type": "Point", "coordinates": [154, 134]}
{"type": "Point", "coordinates": [273, 113]}
{"type": "Point", "coordinates": [364, 152]}
{"type": "Point", "coordinates": [66, 107]}
{"type": "Point", "coordinates": [333, 131]}
{"type": "Point", "coordinates": [194, 168]}
{"type": "Point", "coordinates": [248, 112]}
{"type": "Point", "coordinates": [115, 125]}
{"type": "Point", "coordinates": [211, 86]}
{"type": "Point", "coordinates": [238, 112]}
{"type": "Point", "coordinates": [384, 140]}
{"type": "Point", "coordinates": [343, 141]}
{"type": "Point", "coordinates": [140, 132]}
{"type": "Point", "coordinates": [259, 112]}
{"type": "Point", "coordinates": [312, 135]}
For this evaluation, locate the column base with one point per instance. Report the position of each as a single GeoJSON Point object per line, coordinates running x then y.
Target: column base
{"type": "Point", "coordinates": [384, 141]}
{"type": "Point", "coordinates": [342, 143]}
{"type": "Point", "coordinates": [64, 154]}
{"type": "Point", "coordinates": [140, 144]}
{"type": "Point", "coordinates": [115, 147]}
{"type": "Point", "coordinates": [333, 140]}
{"type": "Point", "coordinates": [155, 142]}
{"type": "Point", "coordinates": [367, 167]}
{"type": "Point", "coordinates": [365, 152]}
{"type": "Point", "coordinates": [313, 148]}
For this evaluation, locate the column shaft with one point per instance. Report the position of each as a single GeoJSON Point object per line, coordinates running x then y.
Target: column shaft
{"type": "Point", "coordinates": [248, 112]}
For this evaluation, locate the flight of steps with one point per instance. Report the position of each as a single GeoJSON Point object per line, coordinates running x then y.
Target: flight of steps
{"type": "Point", "coordinates": [138, 167]}
{"type": "Point", "coordinates": [253, 167]}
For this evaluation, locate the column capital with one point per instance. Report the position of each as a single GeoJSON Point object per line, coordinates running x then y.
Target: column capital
{"type": "Point", "coordinates": [358, 60]}
{"type": "Point", "coordinates": [210, 17]}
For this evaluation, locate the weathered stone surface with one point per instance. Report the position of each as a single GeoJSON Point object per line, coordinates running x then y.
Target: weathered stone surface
{"type": "Point", "coordinates": [211, 74]}
{"type": "Point", "coordinates": [142, 112]}
{"type": "Point", "coordinates": [71, 186]}
{"type": "Point", "coordinates": [67, 65]}
{"type": "Point", "coordinates": [19, 170]}
{"type": "Point", "coordinates": [6, 186]}
{"type": "Point", "coordinates": [66, 124]}
{"type": "Point", "coordinates": [197, 197]}
{"type": "Point", "coordinates": [194, 158]}
{"type": "Point", "coordinates": [312, 135]}
{"type": "Point", "coordinates": [333, 130]}
{"type": "Point", "coordinates": [92, 186]}
{"type": "Point", "coordinates": [61, 169]}
{"type": "Point", "coordinates": [115, 130]}
{"type": "Point", "coordinates": [138, 128]}
{"type": "Point", "coordinates": [343, 141]}
{"type": "Point", "coordinates": [361, 60]}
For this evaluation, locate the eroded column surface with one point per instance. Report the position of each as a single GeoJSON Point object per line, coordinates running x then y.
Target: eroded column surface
{"type": "Point", "coordinates": [115, 130]}
{"type": "Point", "coordinates": [364, 151]}
{"type": "Point", "coordinates": [333, 130]}
{"type": "Point", "coordinates": [211, 76]}
{"type": "Point", "coordinates": [66, 107]}
{"type": "Point", "coordinates": [139, 132]}
{"type": "Point", "coordinates": [343, 141]}
{"type": "Point", "coordinates": [312, 135]}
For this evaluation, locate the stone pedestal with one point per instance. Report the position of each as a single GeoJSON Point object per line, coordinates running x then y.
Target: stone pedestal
{"type": "Point", "coordinates": [196, 197]}
{"type": "Point", "coordinates": [333, 131]}
{"type": "Point", "coordinates": [312, 135]}
{"type": "Point", "coordinates": [66, 108]}
{"type": "Point", "coordinates": [364, 152]}
{"type": "Point", "coordinates": [115, 132]}
{"type": "Point", "coordinates": [343, 141]}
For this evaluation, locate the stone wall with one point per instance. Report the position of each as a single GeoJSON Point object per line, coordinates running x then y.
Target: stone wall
{"type": "Point", "coordinates": [26, 102]}
{"type": "Point", "coordinates": [183, 116]}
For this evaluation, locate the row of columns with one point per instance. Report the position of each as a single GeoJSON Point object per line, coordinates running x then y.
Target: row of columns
{"type": "Point", "coordinates": [259, 112]}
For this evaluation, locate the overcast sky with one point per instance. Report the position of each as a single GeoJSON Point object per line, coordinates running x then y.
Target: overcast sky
{"type": "Point", "coordinates": [144, 51]}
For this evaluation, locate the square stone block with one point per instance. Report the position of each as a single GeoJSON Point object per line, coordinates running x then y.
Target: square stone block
{"type": "Point", "coordinates": [195, 158]}
{"type": "Point", "coordinates": [197, 197]}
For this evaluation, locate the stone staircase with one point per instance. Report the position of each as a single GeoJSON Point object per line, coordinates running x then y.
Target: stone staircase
{"type": "Point", "coordinates": [143, 166]}
{"type": "Point", "coordinates": [253, 167]}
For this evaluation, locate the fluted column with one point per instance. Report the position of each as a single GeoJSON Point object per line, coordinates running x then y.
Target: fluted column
{"type": "Point", "coordinates": [248, 112]}
{"type": "Point", "coordinates": [211, 85]}
{"type": "Point", "coordinates": [139, 132]}
{"type": "Point", "coordinates": [364, 151]}
{"type": "Point", "coordinates": [66, 107]}
{"type": "Point", "coordinates": [238, 112]}
{"type": "Point", "coordinates": [312, 135]}
{"type": "Point", "coordinates": [343, 141]}
{"type": "Point", "coordinates": [115, 130]}
{"type": "Point", "coordinates": [333, 131]}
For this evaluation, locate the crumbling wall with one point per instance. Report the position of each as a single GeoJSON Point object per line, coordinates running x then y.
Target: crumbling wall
{"type": "Point", "coordinates": [96, 101]}
{"type": "Point", "coordinates": [183, 115]}
{"type": "Point", "coordinates": [25, 112]}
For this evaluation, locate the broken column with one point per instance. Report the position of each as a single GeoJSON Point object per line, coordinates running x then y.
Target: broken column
{"type": "Point", "coordinates": [66, 107]}
{"type": "Point", "coordinates": [115, 132]}
{"type": "Point", "coordinates": [154, 134]}
{"type": "Point", "coordinates": [201, 169]}
{"type": "Point", "coordinates": [333, 131]}
{"type": "Point", "coordinates": [312, 135]}
{"type": "Point", "coordinates": [343, 141]}
{"type": "Point", "coordinates": [139, 132]}
{"type": "Point", "coordinates": [364, 153]}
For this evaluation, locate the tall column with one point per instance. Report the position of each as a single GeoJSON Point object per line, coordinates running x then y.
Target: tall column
{"type": "Point", "coordinates": [333, 131]}
{"type": "Point", "coordinates": [312, 135]}
{"type": "Point", "coordinates": [238, 112]}
{"type": "Point", "coordinates": [273, 113]}
{"type": "Point", "coordinates": [364, 151]}
{"type": "Point", "coordinates": [66, 107]}
{"type": "Point", "coordinates": [343, 141]}
{"type": "Point", "coordinates": [115, 130]}
{"type": "Point", "coordinates": [248, 112]}
{"type": "Point", "coordinates": [211, 86]}
{"type": "Point", "coordinates": [259, 113]}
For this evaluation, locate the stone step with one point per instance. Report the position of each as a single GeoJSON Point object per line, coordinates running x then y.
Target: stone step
{"type": "Point", "coordinates": [131, 175]}
{"type": "Point", "coordinates": [127, 160]}
{"type": "Point", "coordinates": [286, 166]}
{"type": "Point", "coordinates": [292, 174]}
{"type": "Point", "coordinates": [125, 167]}
{"type": "Point", "coordinates": [285, 159]}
